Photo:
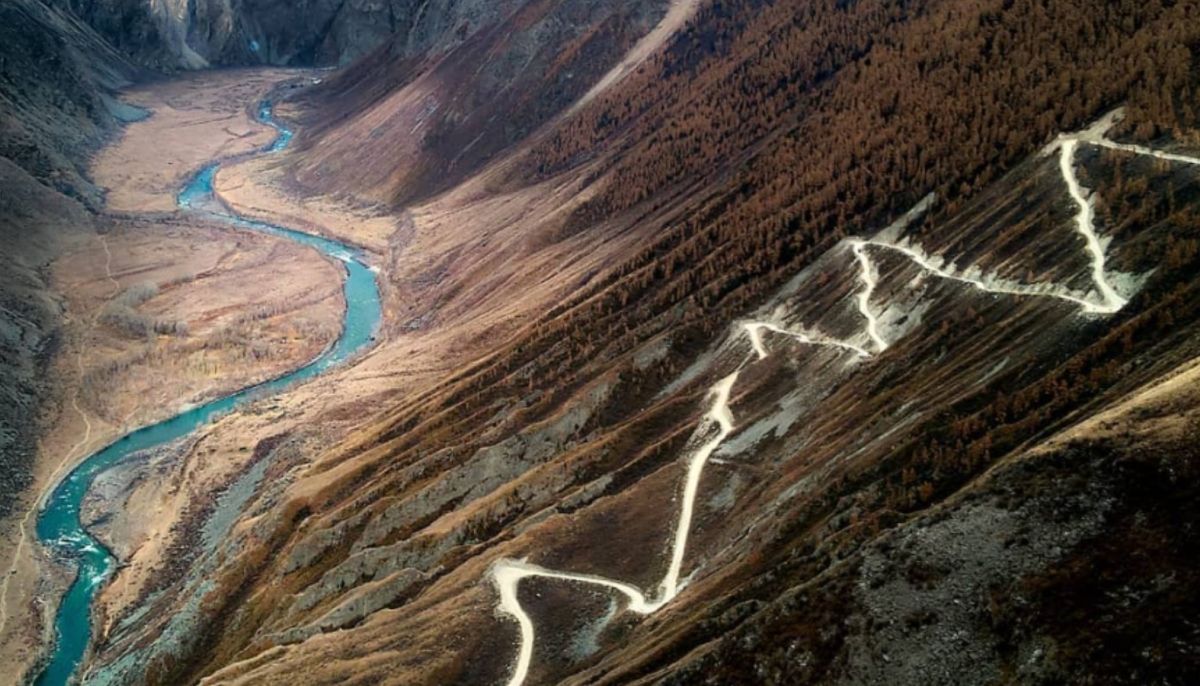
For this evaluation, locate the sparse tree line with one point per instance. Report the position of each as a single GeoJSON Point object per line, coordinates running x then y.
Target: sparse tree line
{"type": "Point", "coordinates": [251, 338]}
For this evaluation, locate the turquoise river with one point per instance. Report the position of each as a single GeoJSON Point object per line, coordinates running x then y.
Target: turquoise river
{"type": "Point", "coordinates": [58, 524]}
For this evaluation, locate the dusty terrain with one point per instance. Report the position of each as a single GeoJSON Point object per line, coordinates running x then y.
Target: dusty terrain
{"type": "Point", "coordinates": [470, 237]}
{"type": "Point", "coordinates": [163, 312]}
{"type": "Point", "coordinates": [231, 308]}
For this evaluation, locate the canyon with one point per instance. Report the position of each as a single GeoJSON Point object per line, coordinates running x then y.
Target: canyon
{"type": "Point", "coordinates": [522, 343]}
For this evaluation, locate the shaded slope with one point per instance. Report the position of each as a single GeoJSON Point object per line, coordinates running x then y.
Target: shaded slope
{"type": "Point", "coordinates": [56, 105]}
{"type": "Point", "coordinates": [170, 35]}
{"type": "Point", "coordinates": [827, 455]}
{"type": "Point", "coordinates": [35, 223]}
{"type": "Point", "coordinates": [1047, 567]}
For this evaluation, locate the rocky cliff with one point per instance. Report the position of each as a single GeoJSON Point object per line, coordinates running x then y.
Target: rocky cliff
{"type": "Point", "coordinates": [456, 86]}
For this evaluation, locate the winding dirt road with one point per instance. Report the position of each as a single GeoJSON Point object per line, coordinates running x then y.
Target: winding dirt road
{"type": "Point", "coordinates": [507, 574]}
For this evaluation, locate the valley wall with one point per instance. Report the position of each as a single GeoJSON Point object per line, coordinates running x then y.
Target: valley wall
{"type": "Point", "coordinates": [52, 120]}
{"type": "Point", "coordinates": [173, 35]}
{"type": "Point", "coordinates": [955, 444]}
{"type": "Point", "coordinates": [563, 300]}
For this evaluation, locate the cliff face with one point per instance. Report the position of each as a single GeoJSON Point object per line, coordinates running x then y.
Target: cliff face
{"type": "Point", "coordinates": [57, 78]}
{"type": "Point", "coordinates": [897, 458]}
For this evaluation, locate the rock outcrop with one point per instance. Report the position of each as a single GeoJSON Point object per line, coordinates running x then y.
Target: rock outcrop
{"type": "Point", "coordinates": [938, 460]}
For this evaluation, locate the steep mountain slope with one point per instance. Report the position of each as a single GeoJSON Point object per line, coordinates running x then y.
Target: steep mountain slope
{"type": "Point", "coordinates": [57, 79]}
{"type": "Point", "coordinates": [169, 35]}
{"type": "Point", "coordinates": [35, 223]}
{"type": "Point", "coordinates": [56, 107]}
{"type": "Point", "coordinates": [890, 473]}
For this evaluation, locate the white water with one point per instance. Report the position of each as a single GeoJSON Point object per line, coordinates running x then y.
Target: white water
{"type": "Point", "coordinates": [507, 574]}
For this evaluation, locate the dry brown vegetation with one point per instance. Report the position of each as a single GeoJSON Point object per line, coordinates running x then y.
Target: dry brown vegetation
{"type": "Point", "coordinates": [862, 111]}
{"type": "Point", "coordinates": [761, 136]}
{"type": "Point", "coordinates": [596, 260]}
{"type": "Point", "coordinates": [193, 124]}
{"type": "Point", "coordinates": [401, 126]}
